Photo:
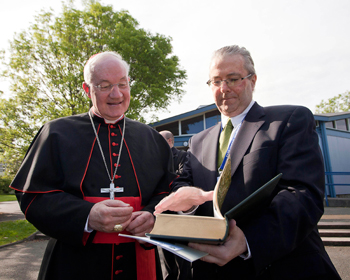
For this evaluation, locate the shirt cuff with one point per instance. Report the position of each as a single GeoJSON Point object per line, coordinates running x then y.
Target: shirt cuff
{"type": "Point", "coordinates": [86, 228]}
{"type": "Point", "coordinates": [248, 254]}
{"type": "Point", "coordinates": [190, 211]}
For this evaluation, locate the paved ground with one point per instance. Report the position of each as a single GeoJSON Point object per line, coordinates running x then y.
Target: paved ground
{"type": "Point", "coordinates": [22, 260]}
{"type": "Point", "coordinates": [9, 211]}
{"type": "Point", "coordinates": [340, 257]}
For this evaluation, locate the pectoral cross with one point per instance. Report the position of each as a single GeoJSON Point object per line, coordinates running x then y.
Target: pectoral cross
{"type": "Point", "coordinates": [111, 190]}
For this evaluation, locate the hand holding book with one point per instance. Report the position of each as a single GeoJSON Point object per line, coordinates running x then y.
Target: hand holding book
{"type": "Point", "coordinates": [234, 245]}
{"type": "Point", "coordinates": [220, 230]}
{"type": "Point", "coordinates": [204, 229]}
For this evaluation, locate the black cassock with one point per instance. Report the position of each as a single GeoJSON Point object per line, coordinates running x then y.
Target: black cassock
{"type": "Point", "coordinates": [61, 178]}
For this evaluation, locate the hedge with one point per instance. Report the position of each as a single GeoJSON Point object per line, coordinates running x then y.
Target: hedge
{"type": "Point", "coordinates": [4, 185]}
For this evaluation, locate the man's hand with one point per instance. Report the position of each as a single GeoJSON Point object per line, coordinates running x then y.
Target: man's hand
{"type": "Point", "coordinates": [234, 246]}
{"type": "Point", "coordinates": [141, 222]}
{"type": "Point", "coordinates": [183, 199]}
{"type": "Point", "coordinates": [106, 214]}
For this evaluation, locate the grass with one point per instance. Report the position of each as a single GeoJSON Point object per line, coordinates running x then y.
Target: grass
{"type": "Point", "coordinates": [7, 197]}
{"type": "Point", "coordinates": [12, 231]}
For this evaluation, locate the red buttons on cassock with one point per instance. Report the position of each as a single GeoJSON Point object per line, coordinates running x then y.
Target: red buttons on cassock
{"type": "Point", "coordinates": [115, 144]}
{"type": "Point", "coordinates": [115, 154]}
{"type": "Point", "coordinates": [118, 257]}
{"type": "Point", "coordinates": [115, 165]}
{"type": "Point", "coordinates": [113, 134]}
{"type": "Point", "coordinates": [117, 177]}
{"type": "Point", "coordinates": [112, 126]}
{"type": "Point", "coordinates": [118, 271]}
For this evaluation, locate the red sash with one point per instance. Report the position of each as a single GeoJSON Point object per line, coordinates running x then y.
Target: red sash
{"type": "Point", "coordinates": [145, 259]}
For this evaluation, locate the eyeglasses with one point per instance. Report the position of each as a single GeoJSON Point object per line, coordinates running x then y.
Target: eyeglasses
{"type": "Point", "coordinates": [229, 82]}
{"type": "Point", "coordinates": [109, 88]}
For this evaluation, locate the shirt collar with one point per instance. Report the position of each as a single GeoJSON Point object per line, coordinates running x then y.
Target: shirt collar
{"type": "Point", "coordinates": [107, 121]}
{"type": "Point", "coordinates": [236, 120]}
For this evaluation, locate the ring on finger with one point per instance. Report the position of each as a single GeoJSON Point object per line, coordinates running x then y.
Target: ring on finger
{"type": "Point", "coordinates": [118, 228]}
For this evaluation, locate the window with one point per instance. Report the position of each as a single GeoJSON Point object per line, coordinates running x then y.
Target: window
{"type": "Point", "coordinates": [172, 127]}
{"type": "Point", "coordinates": [192, 126]}
{"type": "Point", "coordinates": [329, 125]}
{"type": "Point", "coordinates": [212, 118]}
{"type": "Point", "coordinates": [341, 124]}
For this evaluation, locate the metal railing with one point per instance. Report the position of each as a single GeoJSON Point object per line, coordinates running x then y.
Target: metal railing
{"type": "Point", "coordinates": [330, 183]}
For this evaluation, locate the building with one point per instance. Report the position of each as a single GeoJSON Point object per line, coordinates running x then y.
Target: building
{"type": "Point", "coordinates": [334, 135]}
{"type": "Point", "coordinates": [333, 130]}
{"type": "Point", "coordinates": [185, 125]}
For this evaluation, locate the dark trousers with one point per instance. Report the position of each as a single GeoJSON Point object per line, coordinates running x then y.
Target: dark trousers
{"type": "Point", "coordinates": [177, 268]}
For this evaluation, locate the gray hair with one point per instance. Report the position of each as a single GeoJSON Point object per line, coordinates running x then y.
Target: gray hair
{"type": "Point", "coordinates": [90, 64]}
{"type": "Point", "coordinates": [234, 50]}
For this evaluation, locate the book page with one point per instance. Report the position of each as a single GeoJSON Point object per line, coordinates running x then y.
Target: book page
{"type": "Point", "coordinates": [178, 249]}
{"type": "Point", "coordinates": [189, 227]}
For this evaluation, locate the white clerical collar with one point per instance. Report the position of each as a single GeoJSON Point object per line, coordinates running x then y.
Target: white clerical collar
{"type": "Point", "coordinates": [236, 120]}
{"type": "Point", "coordinates": [107, 121]}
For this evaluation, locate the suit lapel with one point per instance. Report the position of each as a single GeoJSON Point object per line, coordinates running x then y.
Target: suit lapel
{"type": "Point", "coordinates": [251, 124]}
{"type": "Point", "coordinates": [210, 151]}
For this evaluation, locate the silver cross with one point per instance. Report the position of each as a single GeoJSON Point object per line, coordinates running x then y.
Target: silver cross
{"type": "Point", "coordinates": [111, 190]}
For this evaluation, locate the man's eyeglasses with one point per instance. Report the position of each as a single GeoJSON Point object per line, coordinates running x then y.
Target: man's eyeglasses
{"type": "Point", "coordinates": [109, 88]}
{"type": "Point", "coordinates": [229, 82]}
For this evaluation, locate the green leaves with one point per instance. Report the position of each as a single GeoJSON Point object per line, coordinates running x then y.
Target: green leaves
{"type": "Point", "coordinates": [45, 69]}
{"type": "Point", "coordinates": [339, 103]}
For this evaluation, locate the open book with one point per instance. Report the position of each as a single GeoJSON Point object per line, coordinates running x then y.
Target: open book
{"type": "Point", "coordinates": [172, 231]}
{"type": "Point", "coordinates": [212, 230]}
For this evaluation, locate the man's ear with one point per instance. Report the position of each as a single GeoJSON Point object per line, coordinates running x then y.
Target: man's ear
{"type": "Point", "coordinates": [254, 78]}
{"type": "Point", "coordinates": [86, 89]}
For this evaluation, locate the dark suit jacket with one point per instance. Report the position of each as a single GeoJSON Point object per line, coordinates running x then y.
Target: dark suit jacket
{"type": "Point", "coordinates": [283, 239]}
{"type": "Point", "coordinates": [179, 158]}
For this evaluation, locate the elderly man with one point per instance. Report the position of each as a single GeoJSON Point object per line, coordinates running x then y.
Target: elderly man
{"type": "Point", "coordinates": [179, 156]}
{"type": "Point", "coordinates": [282, 241]}
{"type": "Point", "coordinates": [86, 178]}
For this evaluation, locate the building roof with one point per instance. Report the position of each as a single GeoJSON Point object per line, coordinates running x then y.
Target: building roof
{"type": "Point", "coordinates": [327, 117]}
{"type": "Point", "coordinates": [200, 110]}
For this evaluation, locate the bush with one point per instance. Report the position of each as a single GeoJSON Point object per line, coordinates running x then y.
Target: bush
{"type": "Point", "coordinates": [4, 185]}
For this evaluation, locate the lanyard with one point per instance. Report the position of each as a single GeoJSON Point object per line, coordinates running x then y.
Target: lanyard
{"type": "Point", "coordinates": [229, 146]}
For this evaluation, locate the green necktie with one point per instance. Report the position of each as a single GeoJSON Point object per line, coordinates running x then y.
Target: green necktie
{"type": "Point", "coordinates": [223, 141]}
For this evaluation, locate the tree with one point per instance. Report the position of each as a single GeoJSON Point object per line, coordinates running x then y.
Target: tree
{"type": "Point", "coordinates": [45, 69]}
{"type": "Point", "coordinates": [339, 103]}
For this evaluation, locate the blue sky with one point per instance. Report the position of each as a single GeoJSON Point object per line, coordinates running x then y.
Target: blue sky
{"type": "Point", "coordinates": [301, 49]}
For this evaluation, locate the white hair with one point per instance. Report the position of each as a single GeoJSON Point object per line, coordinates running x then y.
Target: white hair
{"type": "Point", "coordinates": [90, 64]}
